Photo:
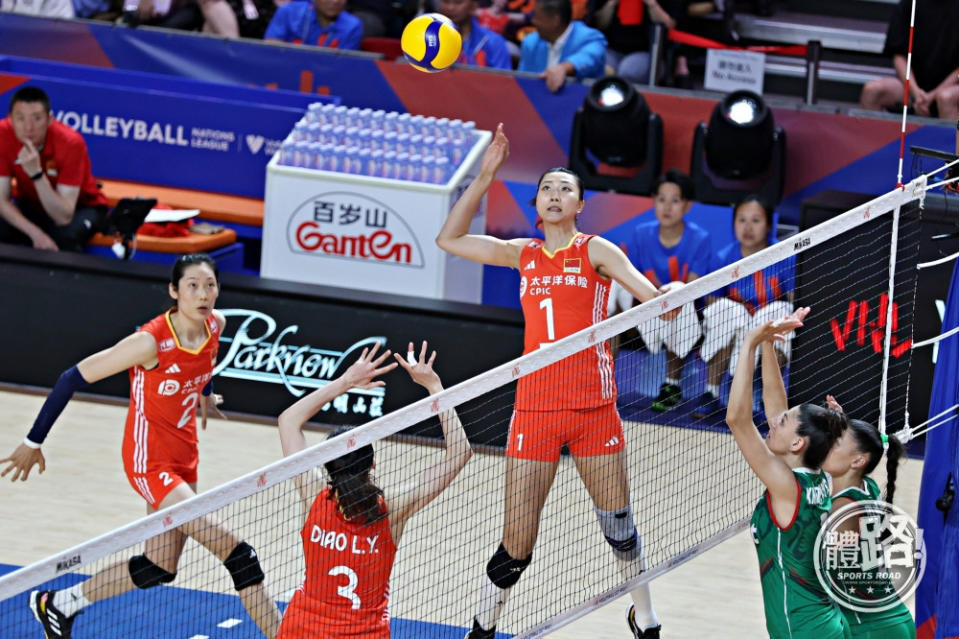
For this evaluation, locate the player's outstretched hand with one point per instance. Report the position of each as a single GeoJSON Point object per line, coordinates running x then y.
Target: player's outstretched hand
{"type": "Point", "coordinates": [365, 370]}
{"type": "Point", "coordinates": [22, 462]}
{"type": "Point", "coordinates": [421, 370]}
{"type": "Point", "coordinates": [665, 288]}
{"type": "Point", "coordinates": [208, 403]}
{"type": "Point", "coordinates": [776, 331]}
{"type": "Point", "coordinates": [496, 153]}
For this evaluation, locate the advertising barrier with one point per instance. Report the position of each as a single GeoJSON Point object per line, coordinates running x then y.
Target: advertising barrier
{"type": "Point", "coordinates": [281, 340]}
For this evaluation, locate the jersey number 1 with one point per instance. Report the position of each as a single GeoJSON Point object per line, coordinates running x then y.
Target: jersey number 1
{"type": "Point", "coordinates": [547, 303]}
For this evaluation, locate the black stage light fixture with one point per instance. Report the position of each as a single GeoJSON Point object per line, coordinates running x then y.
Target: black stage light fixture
{"type": "Point", "coordinates": [741, 151]}
{"type": "Point", "coordinates": [615, 127]}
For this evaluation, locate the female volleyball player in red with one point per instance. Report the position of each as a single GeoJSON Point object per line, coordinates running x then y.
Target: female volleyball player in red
{"type": "Point", "coordinates": [564, 286]}
{"type": "Point", "coordinates": [352, 528]}
{"type": "Point", "coordinates": [170, 360]}
{"type": "Point", "coordinates": [797, 498]}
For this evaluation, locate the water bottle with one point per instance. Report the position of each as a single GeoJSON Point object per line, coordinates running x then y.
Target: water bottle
{"type": "Point", "coordinates": [337, 160]}
{"type": "Point", "coordinates": [403, 170]}
{"type": "Point", "coordinates": [428, 173]}
{"type": "Point", "coordinates": [403, 143]}
{"type": "Point", "coordinates": [388, 168]}
{"type": "Point", "coordinates": [339, 134]}
{"type": "Point", "coordinates": [324, 158]}
{"type": "Point", "coordinates": [416, 168]}
{"type": "Point", "coordinates": [442, 148]}
{"type": "Point", "coordinates": [314, 160]}
{"type": "Point", "coordinates": [443, 172]}
{"type": "Point", "coordinates": [286, 153]}
{"type": "Point", "coordinates": [301, 154]}
{"type": "Point", "coordinates": [469, 132]}
{"type": "Point", "coordinates": [403, 123]}
{"type": "Point", "coordinates": [376, 140]}
{"type": "Point", "coordinates": [300, 131]}
{"type": "Point", "coordinates": [326, 134]}
{"type": "Point", "coordinates": [390, 123]}
{"type": "Point", "coordinates": [455, 130]}
{"type": "Point", "coordinates": [375, 164]}
{"type": "Point", "coordinates": [314, 112]}
{"type": "Point", "coordinates": [338, 117]}
{"type": "Point", "coordinates": [428, 147]}
{"type": "Point", "coordinates": [416, 144]}
{"type": "Point", "coordinates": [389, 141]}
{"type": "Point", "coordinates": [312, 132]}
{"type": "Point", "coordinates": [363, 138]}
{"type": "Point", "coordinates": [429, 126]}
{"type": "Point", "coordinates": [442, 127]}
{"type": "Point", "coordinates": [416, 124]}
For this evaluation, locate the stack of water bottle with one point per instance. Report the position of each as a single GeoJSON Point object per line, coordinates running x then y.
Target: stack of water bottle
{"type": "Point", "coordinates": [377, 143]}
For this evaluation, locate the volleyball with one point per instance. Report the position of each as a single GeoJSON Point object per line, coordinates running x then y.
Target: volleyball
{"type": "Point", "coordinates": [431, 42]}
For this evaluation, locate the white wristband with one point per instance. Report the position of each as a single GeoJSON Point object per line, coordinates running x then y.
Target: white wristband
{"type": "Point", "coordinates": [30, 444]}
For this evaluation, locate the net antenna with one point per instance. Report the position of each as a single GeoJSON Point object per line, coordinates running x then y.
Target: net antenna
{"type": "Point", "coordinates": [445, 548]}
{"type": "Point", "coordinates": [905, 95]}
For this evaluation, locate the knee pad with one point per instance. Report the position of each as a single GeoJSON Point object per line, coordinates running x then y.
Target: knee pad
{"type": "Point", "coordinates": [146, 574]}
{"type": "Point", "coordinates": [620, 531]}
{"type": "Point", "coordinates": [244, 566]}
{"type": "Point", "coordinates": [503, 570]}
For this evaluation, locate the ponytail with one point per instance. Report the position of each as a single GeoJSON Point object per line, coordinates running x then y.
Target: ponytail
{"type": "Point", "coordinates": [894, 454]}
{"type": "Point", "coordinates": [874, 444]}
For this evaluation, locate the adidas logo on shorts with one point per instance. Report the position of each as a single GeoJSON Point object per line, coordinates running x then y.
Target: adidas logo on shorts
{"type": "Point", "coordinates": [172, 369]}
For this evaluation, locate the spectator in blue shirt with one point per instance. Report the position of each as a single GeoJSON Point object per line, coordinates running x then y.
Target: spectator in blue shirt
{"type": "Point", "coordinates": [481, 47]}
{"type": "Point", "coordinates": [321, 23]}
{"type": "Point", "coordinates": [561, 46]}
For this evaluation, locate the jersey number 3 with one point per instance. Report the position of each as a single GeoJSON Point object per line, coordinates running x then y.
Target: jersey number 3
{"type": "Point", "coordinates": [347, 590]}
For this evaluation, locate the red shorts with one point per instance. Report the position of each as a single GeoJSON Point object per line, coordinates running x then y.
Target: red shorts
{"type": "Point", "coordinates": [540, 435]}
{"type": "Point", "coordinates": [160, 479]}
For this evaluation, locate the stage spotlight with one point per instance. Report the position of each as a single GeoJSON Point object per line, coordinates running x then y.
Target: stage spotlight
{"type": "Point", "coordinates": [741, 151]}
{"type": "Point", "coordinates": [615, 128]}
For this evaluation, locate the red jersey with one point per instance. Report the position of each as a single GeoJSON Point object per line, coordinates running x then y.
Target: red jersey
{"type": "Point", "coordinates": [346, 589]}
{"type": "Point", "coordinates": [64, 158]}
{"type": "Point", "coordinates": [161, 420]}
{"type": "Point", "coordinates": [560, 295]}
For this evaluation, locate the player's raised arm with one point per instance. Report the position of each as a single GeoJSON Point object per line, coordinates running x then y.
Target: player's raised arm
{"type": "Point", "coordinates": [362, 374]}
{"type": "Point", "coordinates": [437, 477]}
{"type": "Point", "coordinates": [455, 237]}
{"type": "Point", "coordinates": [136, 349]}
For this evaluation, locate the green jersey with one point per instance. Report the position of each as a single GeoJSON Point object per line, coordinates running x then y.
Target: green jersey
{"type": "Point", "coordinates": [796, 605]}
{"type": "Point", "coordinates": [870, 623]}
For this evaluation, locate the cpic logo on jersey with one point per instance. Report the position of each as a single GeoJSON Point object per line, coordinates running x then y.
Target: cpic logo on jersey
{"type": "Point", "coordinates": [168, 387]}
{"type": "Point", "coordinates": [870, 556]}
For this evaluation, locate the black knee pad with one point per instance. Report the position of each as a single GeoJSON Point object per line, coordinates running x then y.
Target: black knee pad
{"type": "Point", "coordinates": [146, 574]}
{"type": "Point", "coordinates": [503, 570]}
{"type": "Point", "coordinates": [244, 566]}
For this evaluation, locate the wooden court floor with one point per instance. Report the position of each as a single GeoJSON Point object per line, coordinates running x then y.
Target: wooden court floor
{"type": "Point", "coordinates": [83, 493]}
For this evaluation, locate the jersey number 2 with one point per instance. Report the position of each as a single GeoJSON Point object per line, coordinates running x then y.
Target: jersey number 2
{"type": "Point", "coordinates": [347, 590]}
{"type": "Point", "coordinates": [189, 402]}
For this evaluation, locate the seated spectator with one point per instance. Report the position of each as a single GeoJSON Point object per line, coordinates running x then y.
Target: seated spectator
{"type": "Point", "coordinates": [214, 16]}
{"type": "Point", "coordinates": [253, 16]}
{"type": "Point", "coordinates": [666, 250]}
{"type": "Point", "coordinates": [57, 204]}
{"type": "Point", "coordinates": [628, 27]}
{"type": "Point", "coordinates": [764, 296]}
{"type": "Point", "coordinates": [497, 16]}
{"type": "Point", "coordinates": [934, 77]}
{"type": "Point", "coordinates": [561, 46]}
{"type": "Point", "coordinates": [481, 47]}
{"type": "Point", "coordinates": [322, 23]}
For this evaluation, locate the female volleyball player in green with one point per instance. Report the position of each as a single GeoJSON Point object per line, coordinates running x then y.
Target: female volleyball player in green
{"type": "Point", "coordinates": [787, 519]}
{"type": "Point", "coordinates": [850, 462]}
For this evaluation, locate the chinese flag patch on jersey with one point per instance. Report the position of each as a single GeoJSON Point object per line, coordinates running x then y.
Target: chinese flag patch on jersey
{"type": "Point", "coordinates": [573, 265]}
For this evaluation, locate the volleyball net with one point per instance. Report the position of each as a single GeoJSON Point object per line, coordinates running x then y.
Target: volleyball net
{"type": "Point", "coordinates": [689, 486]}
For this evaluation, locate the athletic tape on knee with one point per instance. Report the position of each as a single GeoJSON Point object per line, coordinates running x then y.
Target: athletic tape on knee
{"type": "Point", "coordinates": [146, 574]}
{"type": "Point", "coordinates": [620, 531]}
{"type": "Point", "coordinates": [503, 570]}
{"type": "Point", "coordinates": [244, 566]}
